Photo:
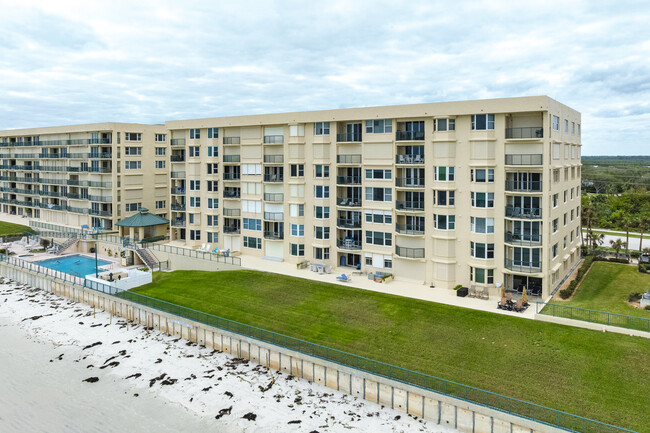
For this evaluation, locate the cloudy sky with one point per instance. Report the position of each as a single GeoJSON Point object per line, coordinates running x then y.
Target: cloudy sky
{"type": "Point", "coordinates": [67, 61]}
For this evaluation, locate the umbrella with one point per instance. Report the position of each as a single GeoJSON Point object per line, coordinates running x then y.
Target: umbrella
{"type": "Point", "coordinates": [503, 291]}
{"type": "Point", "coordinates": [524, 296]}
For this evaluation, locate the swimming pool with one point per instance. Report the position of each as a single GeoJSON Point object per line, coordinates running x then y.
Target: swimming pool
{"type": "Point", "coordinates": [77, 265]}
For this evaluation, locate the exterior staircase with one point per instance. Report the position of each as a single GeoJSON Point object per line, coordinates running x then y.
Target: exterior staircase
{"type": "Point", "coordinates": [67, 244]}
{"type": "Point", "coordinates": [147, 257]}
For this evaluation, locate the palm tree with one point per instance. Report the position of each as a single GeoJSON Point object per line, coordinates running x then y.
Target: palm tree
{"type": "Point", "coordinates": [587, 215]}
{"type": "Point", "coordinates": [618, 244]}
{"type": "Point", "coordinates": [643, 224]}
{"type": "Point", "coordinates": [595, 239]}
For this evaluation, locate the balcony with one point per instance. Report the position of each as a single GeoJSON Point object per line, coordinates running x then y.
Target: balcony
{"type": "Point", "coordinates": [274, 197]}
{"type": "Point", "coordinates": [348, 244]}
{"type": "Point", "coordinates": [348, 223]}
{"type": "Point", "coordinates": [178, 222]}
{"type": "Point", "coordinates": [50, 155]}
{"type": "Point", "coordinates": [231, 140]}
{"type": "Point", "coordinates": [273, 139]}
{"type": "Point", "coordinates": [231, 158]}
{"type": "Point", "coordinates": [349, 202]}
{"type": "Point", "coordinates": [348, 180]}
{"type": "Point", "coordinates": [409, 182]}
{"type": "Point", "coordinates": [177, 158]}
{"type": "Point", "coordinates": [94, 184]}
{"type": "Point", "coordinates": [527, 266]}
{"type": "Point", "coordinates": [525, 132]}
{"type": "Point", "coordinates": [524, 159]}
{"type": "Point", "coordinates": [523, 213]}
{"type": "Point", "coordinates": [348, 137]}
{"type": "Point", "coordinates": [348, 159]}
{"type": "Point", "coordinates": [231, 230]}
{"type": "Point", "coordinates": [97, 212]}
{"type": "Point", "coordinates": [178, 191]}
{"type": "Point", "coordinates": [410, 229]}
{"type": "Point", "coordinates": [524, 186]}
{"type": "Point", "coordinates": [272, 235]}
{"type": "Point", "coordinates": [409, 253]}
{"type": "Point", "coordinates": [72, 169]}
{"type": "Point", "coordinates": [409, 205]}
{"type": "Point", "coordinates": [99, 169]}
{"type": "Point", "coordinates": [273, 177]}
{"type": "Point", "coordinates": [76, 209]}
{"type": "Point", "coordinates": [273, 159]}
{"type": "Point", "coordinates": [409, 159]}
{"type": "Point", "coordinates": [50, 206]}
{"type": "Point", "coordinates": [231, 212]}
{"type": "Point", "coordinates": [177, 207]}
{"type": "Point", "coordinates": [75, 196]}
{"type": "Point", "coordinates": [100, 155]}
{"type": "Point", "coordinates": [50, 193]}
{"type": "Point", "coordinates": [523, 238]}
{"type": "Point", "coordinates": [231, 176]}
{"type": "Point", "coordinates": [274, 216]}
{"type": "Point", "coordinates": [178, 142]}
{"type": "Point", "coordinates": [409, 136]}
{"type": "Point", "coordinates": [99, 198]}
{"type": "Point", "coordinates": [231, 193]}
{"type": "Point", "coordinates": [177, 175]}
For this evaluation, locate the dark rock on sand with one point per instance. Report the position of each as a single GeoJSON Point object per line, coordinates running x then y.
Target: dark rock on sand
{"type": "Point", "coordinates": [250, 416]}
{"type": "Point", "coordinates": [91, 379]}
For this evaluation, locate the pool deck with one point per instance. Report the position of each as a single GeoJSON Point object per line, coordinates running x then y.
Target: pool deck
{"type": "Point", "coordinates": [19, 249]}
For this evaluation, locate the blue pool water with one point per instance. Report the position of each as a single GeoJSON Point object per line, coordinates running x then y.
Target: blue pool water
{"type": "Point", "coordinates": [79, 266]}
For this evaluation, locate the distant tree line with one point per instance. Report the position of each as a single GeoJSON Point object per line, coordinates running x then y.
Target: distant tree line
{"type": "Point", "coordinates": [615, 174]}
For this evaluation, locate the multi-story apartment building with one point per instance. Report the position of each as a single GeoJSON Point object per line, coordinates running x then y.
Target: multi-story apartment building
{"type": "Point", "coordinates": [84, 175]}
{"type": "Point", "coordinates": [475, 192]}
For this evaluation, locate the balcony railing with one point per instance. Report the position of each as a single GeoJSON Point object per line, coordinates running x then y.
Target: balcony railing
{"type": "Point", "coordinates": [94, 184]}
{"type": "Point", "coordinates": [273, 177]}
{"type": "Point", "coordinates": [410, 182]}
{"type": "Point", "coordinates": [178, 191]}
{"type": "Point", "coordinates": [409, 229]}
{"type": "Point", "coordinates": [231, 140]}
{"type": "Point", "coordinates": [50, 155]}
{"type": "Point", "coordinates": [231, 229]}
{"type": "Point", "coordinates": [409, 205]}
{"type": "Point", "coordinates": [273, 159]}
{"type": "Point", "coordinates": [177, 207]}
{"type": "Point", "coordinates": [273, 235]}
{"type": "Point", "coordinates": [409, 135]}
{"type": "Point", "coordinates": [178, 142]}
{"type": "Point", "coordinates": [99, 169]}
{"type": "Point", "coordinates": [348, 244]}
{"type": "Point", "coordinates": [231, 212]}
{"type": "Point", "coordinates": [348, 223]}
{"type": "Point", "coordinates": [409, 253]}
{"type": "Point", "coordinates": [524, 159]}
{"type": "Point", "coordinates": [348, 180]}
{"type": "Point", "coordinates": [274, 216]}
{"type": "Point", "coordinates": [231, 176]}
{"type": "Point", "coordinates": [523, 238]}
{"type": "Point", "coordinates": [348, 137]}
{"type": "Point", "coordinates": [230, 193]}
{"type": "Point", "coordinates": [177, 175]}
{"type": "Point", "coordinates": [178, 223]}
{"type": "Point", "coordinates": [99, 198]}
{"type": "Point", "coordinates": [176, 158]}
{"type": "Point", "coordinates": [104, 213]}
{"type": "Point", "coordinates": [50, 206]}
{"type": "Point", "coordinates": [348, 159]}
{"type": "Point", "coordinates": [273, 197]}
{"type": "Point", "coordinates": [524, 186]}
{"type": "Point", "coordinates": [524, 213]}
{"type": "Point", "coordinates": [409, 159]}
{"type": "Point", "coordinates": [76, 209]}
{"type": "Point", "coordinates": [231, 158]}
{"type": "Point", "coordinates": [102, 155]}
{"type": "Point", "coordinates": [352, 202]}
{"type": "Point", "coordinates": [525, 132]}
{"type": "Point", "coordinates": [527, 266]}
{"type": "Point", "coordinates": [273, 139]}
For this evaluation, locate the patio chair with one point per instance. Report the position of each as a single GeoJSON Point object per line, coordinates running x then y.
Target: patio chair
{"type": "Point", "coordinates": [400, 159]}
{"type": "Point", "coordinates": [328, 269]}
{"type": "Point", "coordinates": [472, 291]}
{"type": "Point", "coordinates": [216, 250]}
{"type": "Point", "coordinates": [207, 248]}
{"type": "Point", "coordinates": [418, 159]}
{"type": "Point", "coordinates": [485, 294]}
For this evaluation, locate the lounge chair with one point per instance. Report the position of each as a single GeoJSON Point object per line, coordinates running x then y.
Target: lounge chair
{"type": "Point", "coordinates": [226, 253]}
{"type": "Point", "coordinates": [207, 248]}
{"type": "Point", "coordinates": [216, 250]}
{"type": "Point", "coordinates": [344, 278]}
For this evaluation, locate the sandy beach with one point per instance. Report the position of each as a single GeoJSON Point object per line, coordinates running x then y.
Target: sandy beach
{"type": "Point", "coordinates": [69, 369]}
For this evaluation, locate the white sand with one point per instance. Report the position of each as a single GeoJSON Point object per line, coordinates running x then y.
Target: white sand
{"type": "Point", "coordinates": [194, 383]}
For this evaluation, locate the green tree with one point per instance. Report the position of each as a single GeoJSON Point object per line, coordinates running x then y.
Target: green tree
{"type": "Point", "coordinates": [617, 245]}
{"type": "Point", "coordinates": [643, 223]}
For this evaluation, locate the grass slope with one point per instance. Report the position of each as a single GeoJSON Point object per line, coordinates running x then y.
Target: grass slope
{"type": "Point", "coordinates": [10, 229]}
{"type": "Point", "coordinates": [575, 370]}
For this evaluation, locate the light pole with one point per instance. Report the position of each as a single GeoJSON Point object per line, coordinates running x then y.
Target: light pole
{"type": "Point", "coordinates": [96, 266]}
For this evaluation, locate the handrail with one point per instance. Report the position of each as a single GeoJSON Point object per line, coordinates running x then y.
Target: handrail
{"type": "Point", "coordinates": [593, 316]}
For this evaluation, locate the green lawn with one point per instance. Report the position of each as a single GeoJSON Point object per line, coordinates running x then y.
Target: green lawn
{"type": "Point", "coordinates": [603, 376]}
{"type": "Point", "coordinates": [10, 229]}
{"type": "Point", "coordinates": [607, 286]}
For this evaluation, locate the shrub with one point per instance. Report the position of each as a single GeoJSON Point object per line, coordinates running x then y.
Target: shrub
{"type": "Point", "coordinates": [458, 286]}
{"type": "Point", "coordinates": [566, 293]}
{"type": "Point", "coordinates": [45, 243]}
{"type": "Point", "coordinates": [647, 307]}
{"type": "Point", "coordinates": [634, 297]}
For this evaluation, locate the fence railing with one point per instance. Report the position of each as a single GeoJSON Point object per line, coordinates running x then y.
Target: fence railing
{"type": "Point", "coordinates": [193, 253]}
{"type": "Point", "coordinates": [594, 316]}
{"type": "Point", "coordinates": [524, 409]}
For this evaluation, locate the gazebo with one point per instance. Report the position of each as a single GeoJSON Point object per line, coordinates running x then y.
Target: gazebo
{"type": "Point", "coordinates": [143, 225]}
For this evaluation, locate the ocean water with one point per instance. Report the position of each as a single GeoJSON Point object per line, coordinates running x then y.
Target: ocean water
{"type": "Point", "coordinates": [39, 396]}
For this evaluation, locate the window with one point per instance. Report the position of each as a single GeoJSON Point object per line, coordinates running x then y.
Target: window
{"type": "Point", "coordinates": [297, 170]}
{"type": "Point", "coordinates": [132, 165]}
{"type": "Point", "coordinates": [297, 250]}
{"type": "Point", "coordinates": [160, 204]}
{"type": "Point", "coordinates": [321, 191]}
{"type": "Point", "coordinates": [571, 214]}
{"type": "Point", "coordinates": [556, 123]}
{"type": "Point", "coordinates": [379, 194]}
{"type": "Point", "coordinates": [251, 242]}
{"type": "Point", "coordinates": [195, 185]}
{"type": "Point", "coordinates": [213, 168]}
{"type": "Point", "coordinates": [571, 193]}
{"type": "Point", "coordinates": [133, 151]}
{"type": "Point", "coordinates": [251, 169]}
{"type": "Point", "coordinates": [160, 164]}
{"type": "Point", "coordinates": [213, 151]}
{"type": "Point", "coordinates": [132, 207]}
{"type": "Point", "coordinates": [378, 174]}
{"type": "Point", "coordinates": [252, 224]}
{"type": "Point", "coordinates": [566, 195]}
{"type": "Point", "coordinates": [379, 126]}
{"type": "Point", "coordinates": [379, 260]}
{"type": "Point", "coordinates": [296, 130]}
{"type": "Point", "coordinates": [482, 175]}
{"type": "Point", "coordinates": [379, 216]}
{"type": "Point", "coordinates": [132, 136]}
{"type": "Point", "coordinates": [481, 122]}
{"type": "Point", "coordinates": [322, 171]}
{"type": "Point", "coordinates": [556, 175]}
{"type": "Point", "coordinates": [160, 151]}
{"type": "Point", "coordinates": [565, 242]}
{"type": "Point", "coordinates": [573, 128]}
{"type": "Point", "coordinates": [321, 233]}
{"type": "Point", "coordinates": [213, 203]}
{"type": "Point", "coordinates": [213, 237]}
{"type": "Point", "coordinates": [195, 134]}
{"type": "Point", "coordinates": [481, 276]}
{"type": "Point", "coordinates": [252, 206]}
{"type": "Point", "coordinates": [444, 124]}
{"type": "Point", "coordinates": [555, 224]}
{"type": "Point", "coordinates": [161, 138]}
{"type": "Point", "coordinates": [195, 201]}
{"type": "Point", "coordinates": [213, 133]}
{"type": "Point", "coordinates": [555, 251]}
{"type": "Point", "coordinates": [213, 221]}
{"type": "Point", "coordinates": [213, 185]}
{"type": "Point", "coordinates": [566, 125]}
{"type": "Point", "coordinates": [444, 174]}
{"type": "Point", "coordinates": [322, 253]}
{"type": "Point", "coordinates": [321, 128]}
{"type": "Point", "coordinates": [195, 235]}
{"type": "Point", "coordinates": [482, 225]}
{"type": "Point", "coordinates": [379, 238]}
{"type": "Point", "coordinates": [444, 198]}
{"type": "Point", "coordinates": [481, 251]}
{"type": "Point", "coordinates": [482, 199]}
{"type": "Point", "coordinates": [321, 212]}
{"type": "Point", "coordinates": [195, 151]}
{"type": "Point", "coordinates": [565, 218]}
{"type": "Point", "coordinates": [556, 199]}
{"type": "Point", "coordinates": [578, 129]}
{"type": "Point", "coordinates": [297, 230]}
{"type": "Point", "coordinates": [444, 222]}
{"type": "Point", "coordinates": [297, 210]}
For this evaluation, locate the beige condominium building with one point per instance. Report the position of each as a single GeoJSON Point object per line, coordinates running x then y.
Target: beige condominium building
{"type": "Point", "coordinates": [84, 175]}
{"type": "Point", "coordinates": [472, 193]}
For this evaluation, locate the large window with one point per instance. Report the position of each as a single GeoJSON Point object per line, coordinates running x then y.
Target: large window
{"type": "Point", "coordinates": [132, 165]}
{"type": "Point", "coordinates": [481, 122]}
{"type": "Point", "coordinates": [195, 185]}
{"type": "Point", "coordinates": [321, 128]}
{"type": "Point", "coordinates": [482, 199]}
{"type": "Point", "coordinates": [298, 230]}
{"type": "Point", "coordinates": [378, 174]}
{"type": "Point", "coordinates": [251, 242]}
{"type": "Point", "coordinates": [321, 191]}
{"type": "Point", "coordinates": [161, 138]}
{"type": "Point", "coordinates": [379, 238]}
{"type": "Point", "coordinates": [556, 123]}
{"type": "Point", "coordinates": [133, 151]}
{"type": "Point", "coordinates": [444, 222]}
{"type": "Point", "coordinates": [379, 194]}
{"type": "Point", "coordinates": [195, 151]}
{"type": "Point", "coordinates": [321, 253]}
{"type": "Point", "coordinates": [379, 126]}
{"type": "Point", "coordinates": [444, 174]}
{"type": "Point", "coordinates": [297, 250]}
{"type": "Point", "coordinates": [195, 134]}
{"type": "Point", "coordinates": [252, 224]}
{"type": "Point", "coordinates": [379, 216]}
{"type": "Point", "coordinates": [444, 198]}
{"type": "Point", "coordinates": [482, 175]}
{"type": "Point", "coordinates": [481, 276]}
{"type": "Point", "coordinates": [297, 170]}
{"type": "Point", "coordinates": [321, 212]}
{"type": "Point", "coordinates": [322, 171]}
{"type": "Point", "coordinates": [481, 251]}
{"type": "Point", "coordinates": [132, 136]}
{"type": "Point", "coordinates": [444, 124]}
{"type": "Point", "coordinates": [322, 233]}
{"type": "Point", "coordinates": [482, 225]}
{"type": "Point", "coordinates": [213, 132]}
{"type": "Point", "coordinates": [132, 207]}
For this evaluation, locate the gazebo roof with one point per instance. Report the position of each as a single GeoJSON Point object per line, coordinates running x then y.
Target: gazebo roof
{"type": "Point", "coordinates": [142, 219]}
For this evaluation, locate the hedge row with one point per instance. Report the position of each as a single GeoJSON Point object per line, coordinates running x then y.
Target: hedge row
{"type": "Point", "coordinates": [566, 293]}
